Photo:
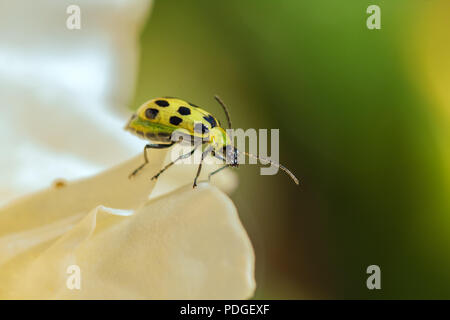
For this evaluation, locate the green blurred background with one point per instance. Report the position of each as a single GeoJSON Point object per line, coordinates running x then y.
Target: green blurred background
{"type": "Point", "coordinates": [363, 118]}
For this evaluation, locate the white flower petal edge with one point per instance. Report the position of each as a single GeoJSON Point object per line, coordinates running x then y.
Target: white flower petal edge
{"type": "Point", "coordinates": [188, 244]}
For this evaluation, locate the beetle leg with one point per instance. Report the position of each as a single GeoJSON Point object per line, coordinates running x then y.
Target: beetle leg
{"type": "Point", "coordinates": [148, 146]}
{"type": "Point", "coordinates": [217, 171]}
{"type": "Point", "coordinates": [204, 154]}
{"type": "Point", "coordinates": [183, 156]}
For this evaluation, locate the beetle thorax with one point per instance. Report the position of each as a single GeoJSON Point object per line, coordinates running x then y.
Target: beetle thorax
{"type": "Point", "coordinates": [219, 138]}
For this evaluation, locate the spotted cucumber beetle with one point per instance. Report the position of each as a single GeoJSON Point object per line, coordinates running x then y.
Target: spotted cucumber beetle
{"type": "Point", "coordinates": [171, 120]}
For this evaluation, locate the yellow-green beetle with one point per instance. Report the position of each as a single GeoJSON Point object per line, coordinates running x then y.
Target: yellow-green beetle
{"type": "Point", "coordinates": [169, 120]}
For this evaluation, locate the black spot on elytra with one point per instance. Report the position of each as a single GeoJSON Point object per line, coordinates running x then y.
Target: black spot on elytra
{"type": "Point", "coordinates": [184, 111]}
{"type": "Point", "coordinates": [200, 128]}
{"type": "Point", "coordinates": [211, 120]}
{"type": "Point", "coordinates": [175, 120]}
{"type": "Point", "coordinates": [151, 113]}
{"type": "Point", "coordinates": [162, 103]}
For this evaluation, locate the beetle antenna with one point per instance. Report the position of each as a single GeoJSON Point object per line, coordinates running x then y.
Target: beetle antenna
{"type": "Point", "coordinates": [289, 173]}
{"type": "Point", "coordinates": [224, 109]}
